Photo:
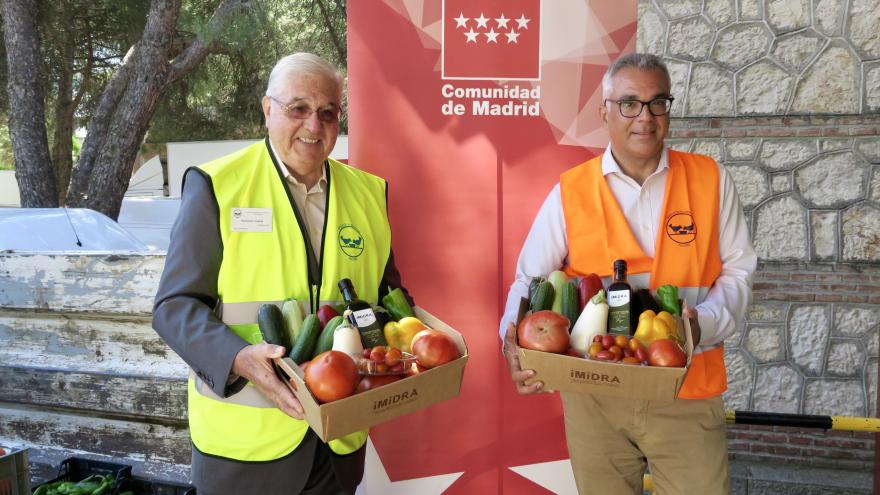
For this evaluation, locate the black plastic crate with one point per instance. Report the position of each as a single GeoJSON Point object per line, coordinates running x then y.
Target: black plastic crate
{"type": "Point", "coordinates": [77, 469]}
{"type": "Point", "coordinates": [140, 486]}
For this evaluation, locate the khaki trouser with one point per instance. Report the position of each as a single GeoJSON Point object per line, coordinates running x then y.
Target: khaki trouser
{"type": "Point", "coordinates": [611, 440]}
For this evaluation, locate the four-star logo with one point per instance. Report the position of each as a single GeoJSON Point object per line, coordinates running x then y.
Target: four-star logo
{"type": "Point", "coordinates": [491, 39]}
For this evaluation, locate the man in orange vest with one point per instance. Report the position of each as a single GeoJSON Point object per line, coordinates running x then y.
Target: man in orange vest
{"type": "Point", "coordinates": [632, 203]}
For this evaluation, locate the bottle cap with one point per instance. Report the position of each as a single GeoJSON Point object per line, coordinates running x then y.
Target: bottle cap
{"type": "Point", "coordinates": [619, 265]}
{"type": "Point", "coordinates": [345, 284]}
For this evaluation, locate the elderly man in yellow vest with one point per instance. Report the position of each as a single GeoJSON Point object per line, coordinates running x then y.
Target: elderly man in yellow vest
{"type": "Point", "coordinates": [617, 206]}
{"type": "Point", "coordinates": [260, 225]}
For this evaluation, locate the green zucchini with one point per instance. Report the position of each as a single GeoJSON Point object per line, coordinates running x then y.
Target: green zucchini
{"type": "Point", "coordinates": [271, 324]}
{"type": "Point", "coordinates": [308, 337]}
{"type": "Point", "coordinates": [325, 340]}
{"type": "Point", "coordinates": [543, 297]}
{"type": "Point", "coordinates": [293, 318]}
{"type": "Point", "coordinates": [570, 305]}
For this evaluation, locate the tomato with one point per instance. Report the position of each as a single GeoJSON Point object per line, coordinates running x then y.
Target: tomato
{"type": "Point", "coordinates": [367, 352]}
{"type": "Point", "coordinates": [665, 352]}
{"type": "Point", "coordinates": [433, 348]}
{"type": "Point", "coordinates": [598, 338]}
{"type": "Point", "coordinates": [332, 375]}
{"type": "Point", "coordinates": [634, 344]}
{"type": "Point", "coordinates": [370, 382]}
{"type": "Point", "coordinates": [544, 331]}
{"type": "Point", "coordinates": [621, 341]}
{"type": "Point", "coordinates": [397, 368]}
{"type": "Point", "coordinates": [607, 341]}
{"type": "Point", "coordinates": [627, 352]}
{"type": "Point", "coordinates": [617, 351]}
{"type": "Point", "coordinates": [641, 354]}
{"type": "Point", "coordinates": [392, 357]}
{"type": "Point", "coordinates": [594, 349]}
{"type": "Point", "coordinates": [631, 360]}
{"type": "Point", "coordinates": [305, 366]}
{"type": "Point", "coordinates": [377, 355]}
{"type": "Point", "coordinates": [605, 356]}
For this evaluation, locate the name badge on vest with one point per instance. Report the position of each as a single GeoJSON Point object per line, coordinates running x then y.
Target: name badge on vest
{"type": "Point", "coordinates": [251, 220]}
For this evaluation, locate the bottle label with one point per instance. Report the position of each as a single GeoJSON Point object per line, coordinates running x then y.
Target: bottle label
{"type": "Point", "coordinates": [364, 317]}
{"type": "Point", "coordinates": [618, 298]}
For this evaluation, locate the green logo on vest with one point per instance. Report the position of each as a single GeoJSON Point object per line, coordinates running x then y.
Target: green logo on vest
{"type": "Point", "coordinates": [351, 242]}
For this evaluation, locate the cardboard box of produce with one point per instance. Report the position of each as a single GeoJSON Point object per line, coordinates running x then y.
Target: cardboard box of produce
{"type": "Point", "coordinates": [360, 411]}
{"type": "Point", "coordinates": [572, 374]}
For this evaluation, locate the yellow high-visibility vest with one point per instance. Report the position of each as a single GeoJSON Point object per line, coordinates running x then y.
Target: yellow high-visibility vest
{"type": "Point", "coordinates": [266, 260]}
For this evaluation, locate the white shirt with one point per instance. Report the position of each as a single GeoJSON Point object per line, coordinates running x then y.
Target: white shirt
{"type": "Point", "coordinates": [724, 307]}
{"type": "Point", "coordinates": [310, 203]}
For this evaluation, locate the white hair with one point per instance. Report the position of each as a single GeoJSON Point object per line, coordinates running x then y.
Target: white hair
{"type": "Point", "coordinates": [640, 61]}
{"type": "Point", "coordinates": [297, 64]}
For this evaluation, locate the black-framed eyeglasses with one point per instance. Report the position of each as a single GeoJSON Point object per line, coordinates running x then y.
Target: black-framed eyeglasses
{"type": "Point", "coordinates": [631, 108]}
{"type": "Point", "coordinates": [301, 111]}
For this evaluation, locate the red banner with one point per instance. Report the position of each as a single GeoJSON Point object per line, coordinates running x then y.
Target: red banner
{"type": "Point", "coordinates": [471, 109]}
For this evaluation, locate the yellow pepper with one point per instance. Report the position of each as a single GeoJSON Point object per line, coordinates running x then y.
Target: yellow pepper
{"type": "Point", "coordinates": [653, 326]}
{"type": "Point", "coordinates": [399, 334]}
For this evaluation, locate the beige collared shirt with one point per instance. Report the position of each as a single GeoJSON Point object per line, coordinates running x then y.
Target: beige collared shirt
{"type": "Point", "coordinates": [311, 203]}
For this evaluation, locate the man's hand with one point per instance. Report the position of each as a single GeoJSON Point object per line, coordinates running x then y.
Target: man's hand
{"type": "Point", "coordinates": [517, 374]}
{"type": "Point", "coordinates": [691, 315]}
{"type": "Point", "coordinates": [254, 362]}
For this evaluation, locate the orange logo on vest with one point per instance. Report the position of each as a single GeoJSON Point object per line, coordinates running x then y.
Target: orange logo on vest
{"type": "Point", "coordinates": [680, 227]}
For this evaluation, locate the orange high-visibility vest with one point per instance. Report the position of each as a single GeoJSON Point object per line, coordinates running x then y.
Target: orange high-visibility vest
{"type": "Point", "coordinates": [686, 248]}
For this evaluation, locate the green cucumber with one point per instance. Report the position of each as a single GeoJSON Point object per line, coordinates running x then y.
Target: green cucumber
{"type": "Point", "coordinates": [293, 318]}
{"type": "Point", "coordinates": [570, 305]}
{"type": "Point", "coordinates": [325, 340]}
{"type": "Point", "coordinates": [308, 337]}
{"type": "Point", "coordinates": [558, 279]}
{"type": "Point", "coordinates": [533, 286]}
{"type": "Point", "coordinates": [543, 297]}
{"type": "Point", "coordinates": [271, 324]}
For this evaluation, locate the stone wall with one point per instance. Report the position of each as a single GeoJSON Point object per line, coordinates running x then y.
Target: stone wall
{"type": "Point", "coordinates": [786, 95]}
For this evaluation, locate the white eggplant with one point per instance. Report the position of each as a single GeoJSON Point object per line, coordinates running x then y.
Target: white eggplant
{"type": "Point", "coordinates": [592, 321]}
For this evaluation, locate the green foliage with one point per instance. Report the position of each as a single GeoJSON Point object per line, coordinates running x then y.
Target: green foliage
{"type": "Point", "coordinates": [220, 100]}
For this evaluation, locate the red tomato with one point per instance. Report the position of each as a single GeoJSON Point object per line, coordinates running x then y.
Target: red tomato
{"type": "Point", "coordinates": [392, 357]}
{"type": "Point", "coordinates": [433, 348]}
{"type": "Point", "coordinates": [332, 375]}
{"type": "Point", "coordinates": [367, 352]}
{"type": "Point", "coordinates": [597, 338]}
{"type": "Point", "coordinates": [641, 354]}
{"type": "Point", "coordinates": [544, 331]}
{"type": "Point", "coordinates": [305, 366]}
{"type": "Point", "coordinates": [607, 341]}
{"type": "Point", "coordinates": [617, 351]}
{"type": "Point", "coordinates": [605, 356]}
{"type": "Point", "coordinates": [377, 355]}
{"type": "Point", "coordinates": [370, 382]}
{"type": "Point", "coordinates": [665, 352]}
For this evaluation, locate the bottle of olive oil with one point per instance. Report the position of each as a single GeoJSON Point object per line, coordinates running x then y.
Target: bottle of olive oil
{"type": "Point", "coordinates": [362, 316]}
{"type": "Point", "coordinates": [620, 295]}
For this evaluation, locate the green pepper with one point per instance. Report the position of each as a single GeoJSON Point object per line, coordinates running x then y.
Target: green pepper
{"type": "Point", "coordinates": [396, 304]}
{"type": "Point", "coordinates": [668, 295]}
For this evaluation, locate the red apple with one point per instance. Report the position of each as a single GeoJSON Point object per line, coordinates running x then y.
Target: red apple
{"type": "Point", "coordinates": [544, 331]}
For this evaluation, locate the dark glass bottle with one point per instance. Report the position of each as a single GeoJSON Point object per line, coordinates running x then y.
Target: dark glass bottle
{"type": "Point", "coordinates": [620, 296]}
{"type": "Point", "coordinates": [362, 316]}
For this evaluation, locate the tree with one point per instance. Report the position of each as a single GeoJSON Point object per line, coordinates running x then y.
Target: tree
{"type": "Point", "coordinates": [152, 65]}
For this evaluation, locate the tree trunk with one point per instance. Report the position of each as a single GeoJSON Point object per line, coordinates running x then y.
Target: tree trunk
{"type": "Point", "coordinates": [62, 145]}
{"type": "Point", "coordinates": [120, 122]}
{"type": "Point", "coordinates": [341, 49]}
{"type": "Point", "coordinates": [27, 117]}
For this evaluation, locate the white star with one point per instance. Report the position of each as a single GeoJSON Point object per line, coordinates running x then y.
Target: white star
{"type": "Point", "coordinates": [461, 20]}
{"type": "Point", "coordinates": [511, 36]}
{"type": "Point", "coordinates": [376, 481]}
{"type": "Point", "coordinates": [555, 476]}
{"type": "Point", "coordinates": [502, 21]}
{"type": "Point", "coordinates": [491, 36]}
{"type": "Point", "coordinates": [523, 22]}
{"type": "Point", "coordinates": [471, 36]}
{"type": "Point", "coordinates": [482, 20]}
